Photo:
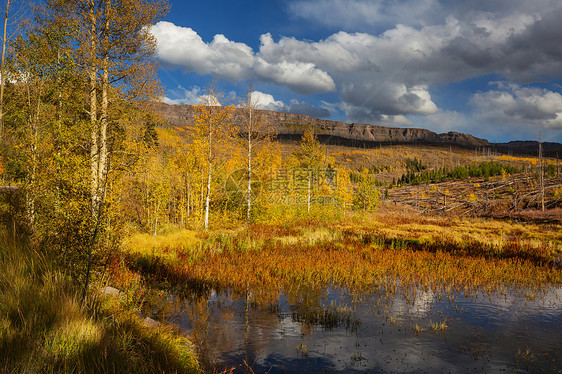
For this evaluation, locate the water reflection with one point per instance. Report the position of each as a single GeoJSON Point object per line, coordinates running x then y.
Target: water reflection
{"type": "Point", "coordinates": [331, 330]}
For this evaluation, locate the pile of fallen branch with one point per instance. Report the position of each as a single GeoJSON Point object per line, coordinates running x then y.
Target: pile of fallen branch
{"type": "Point", "coordinates": [478, 197]}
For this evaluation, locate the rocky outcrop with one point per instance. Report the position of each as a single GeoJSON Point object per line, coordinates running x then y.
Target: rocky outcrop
{"type": "Point", "coordinates": [288, 125]}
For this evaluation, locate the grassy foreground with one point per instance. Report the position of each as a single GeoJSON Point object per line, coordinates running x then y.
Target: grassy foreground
{"type": "Point", "coordinates": [43, 327]}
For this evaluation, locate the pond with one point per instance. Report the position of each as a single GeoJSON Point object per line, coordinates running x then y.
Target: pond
{"type": "Point", "coordinates": [332, 330]}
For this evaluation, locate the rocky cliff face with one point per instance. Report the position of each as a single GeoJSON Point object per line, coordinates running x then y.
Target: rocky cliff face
{"type": "Point", "coordinates": [289, 125]}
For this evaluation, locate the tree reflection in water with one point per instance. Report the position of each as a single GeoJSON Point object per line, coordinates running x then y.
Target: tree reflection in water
{"type": "Point", "coordinates": [332, 330]}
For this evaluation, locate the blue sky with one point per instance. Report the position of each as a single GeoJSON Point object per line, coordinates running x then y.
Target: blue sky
{"type": "Point", "coordinates": [489, 68]}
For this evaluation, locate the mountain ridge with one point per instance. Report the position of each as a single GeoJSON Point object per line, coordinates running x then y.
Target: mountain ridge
{"type": "Point", "coordinates": [292, 126]}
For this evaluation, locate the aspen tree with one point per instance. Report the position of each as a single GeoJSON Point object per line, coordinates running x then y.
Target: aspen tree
{"type": "Point", "coordinates": [114, 48]}
{"type": "Point", "coordinates": [255, 137]}
{"type": "Point", "coordinates": [311, 156]}
{"type": "Point", "coordinates": [366, 195]}
{"type": "Point", "coordinates": [212, 128]}
{"type": "Point", "coordinates": [31, 121]}
{"type": "Point", "coordinates": [344, 187]}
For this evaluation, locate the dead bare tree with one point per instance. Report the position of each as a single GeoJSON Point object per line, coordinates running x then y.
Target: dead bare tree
{"type": "Point", "coordinates": [541, 171]}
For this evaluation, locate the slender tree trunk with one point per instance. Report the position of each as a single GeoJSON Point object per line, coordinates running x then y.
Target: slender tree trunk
{"type": "Point", "coordinates": [94, 137]}
{"type": "Point", "coordinates": [249, 197]}
{"type": "Point", "coordinates": [157, 214]}
{"type": "Point", "coordinates": [32, 178]}
{"type": "Point", "coordinates": [58, 137]}
{"type": "Point", "coordinates": [309, 193]}
{"type": "Point", "coordinates": [104, 114]}
{"type": "Point", "coordinates": [103, 155]}
{"type": "Point", "coordinates": [3, 66]}
{"type": "Point", "coordinates": [2, 69]}
{"type": "Point", "coordinates": [189, 199]}
{"type": "Point", "coordinates": [208, 198]}
{"type": "Point", "coordinates": [209, 176]}
{"type": "Point", "coordinates": [541, 171]}
{"type": "Point", "coordinates": [183, 203]}
{"type": "Point", "coordinates": [201, 196]}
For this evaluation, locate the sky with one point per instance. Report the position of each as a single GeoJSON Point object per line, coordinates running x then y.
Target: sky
{"type": "Point", "coordinates": [490, 68]}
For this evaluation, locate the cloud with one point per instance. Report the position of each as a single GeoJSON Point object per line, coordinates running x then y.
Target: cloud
{"type": "Point", "coordinates": [183, 47]}
{"type": "Point", "coordinates": [390, 75]}
{"type": "Point", "coordinates": [267, 102]}
{"type": "Point", "coordinates": [445, 120]}
{"type": "Point", "coordinates": [193, 96]}
{"type": "Point", "coordinates": [196, 95]}
{"type": "Point", "coordinates": [514, 104]}
{"type": "Point", "coordinates": [299, 107]}
{"type": "Point", "coordinates": [375, 14]}
{"type": "Point", "coordinates": [361, 114]}
{"type": "Point", "coordinates": [452, 51]}
{"type": "Point", "coordinates": [184, 96]}
{"type": "Point", "coordinates": [264, 100]}
{"type": "Point", "coordinates": [467, 39]}
{"type": "Point", "coordinates": [390, 99]}
{"type": "Point", "coordinates": [361, 13]}
{"type": "Point", "coordinates": [302, 77]}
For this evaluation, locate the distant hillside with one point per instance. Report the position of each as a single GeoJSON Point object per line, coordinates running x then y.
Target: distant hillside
{"type": "Point", "coordinates": [529, 148]}
{"type": "Point", "coordinates": [292, 126]}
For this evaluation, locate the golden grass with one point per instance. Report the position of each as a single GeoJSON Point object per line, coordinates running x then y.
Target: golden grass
{"type": "Point", "coordinates": [390, 253]}
{"type": "Point", "coordinates": [71, 337]}
{"type": "Point", "coordinates": [543, 240]}
{"type": "Point", "coordinates": [43, 328]}
{"type": "Point", "coordinates": [146, 243]}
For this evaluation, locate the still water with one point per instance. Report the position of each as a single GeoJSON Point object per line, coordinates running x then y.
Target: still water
{"type": "Point", "coordinates": [333, 331]}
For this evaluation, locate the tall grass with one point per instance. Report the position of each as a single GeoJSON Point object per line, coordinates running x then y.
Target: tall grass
{"type": "Point", "coordinates": [43, 328]}
{"type": "Point", "coordinates": [409, 252]}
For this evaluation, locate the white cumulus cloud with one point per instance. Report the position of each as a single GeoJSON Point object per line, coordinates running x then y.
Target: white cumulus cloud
{"type": "Point", "coordinates": [183, 47]}
{"type": "Point", "coordinates": [512, 103]}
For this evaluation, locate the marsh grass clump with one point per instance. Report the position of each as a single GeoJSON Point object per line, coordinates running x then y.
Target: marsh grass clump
{"type": "Point", "coordinates": [302, 349]}
{"type": "Point", "coordinates": [525, 358]}
{"type": "Point", "coordinates": [329, 317]}
{"type": "Point", "coordinates": [438, 326]}
{"type": "Point", "coordinates": [418, 329]}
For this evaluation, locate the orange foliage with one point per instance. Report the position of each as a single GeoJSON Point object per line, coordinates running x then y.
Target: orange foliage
{"type": "Point", "coordinates": [269, 259]}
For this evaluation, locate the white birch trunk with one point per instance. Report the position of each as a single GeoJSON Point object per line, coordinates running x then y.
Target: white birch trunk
{"type": "Point", "coordinates": [208, 198]}
{"type": "Point", "coordinates": [309, 193]}
{"type": "Point", "coordinates": [209, 176]}
{"type": "Point", "coordinates": [102, 170]}
{"type": "Point", "coordinates": [157, 214]}
{"type": "Point", "coordinates": [94, 146]}
{"type": "Point", "coordinates": [3, 70]}
{"type": "Point", "coordinates": [32, 178]}
{"type": "Point", "coordinates": [249, 197]}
